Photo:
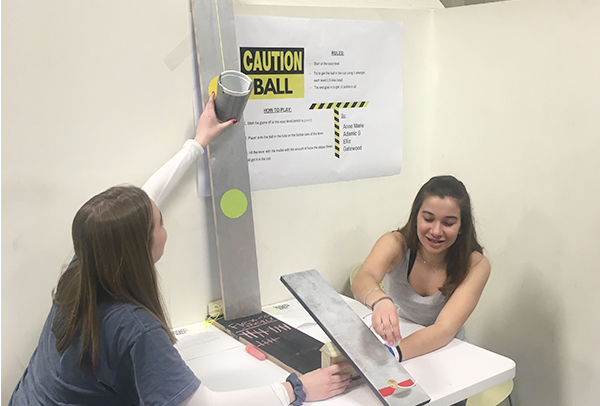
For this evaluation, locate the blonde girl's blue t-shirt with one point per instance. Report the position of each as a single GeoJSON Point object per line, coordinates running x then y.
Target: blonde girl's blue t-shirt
{"type": "Point", "coordinates": [138, 365]}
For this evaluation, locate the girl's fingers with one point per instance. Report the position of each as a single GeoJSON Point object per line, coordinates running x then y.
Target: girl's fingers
{"type": "Point", "coordinates": [210, 104]}
{"type": "Point", "coordinates": [227, 124]}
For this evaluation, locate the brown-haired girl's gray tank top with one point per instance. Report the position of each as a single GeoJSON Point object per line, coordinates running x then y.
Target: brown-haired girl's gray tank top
{"type": "Point", "coordinates": [419, 309]}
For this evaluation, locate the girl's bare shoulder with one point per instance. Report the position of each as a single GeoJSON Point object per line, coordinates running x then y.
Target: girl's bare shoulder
{"type": "Point", "coordinates": [480, 264]}
{"type": "Point", "coordinates": [391, 245]}
{"type": "Point", "coordinates": [393, 239]}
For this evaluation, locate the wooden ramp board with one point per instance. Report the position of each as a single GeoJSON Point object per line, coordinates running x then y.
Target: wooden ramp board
{"type": "Point", "coordinates": [284, 345]}
{"type": "Point", "coordinates": [369, 357]}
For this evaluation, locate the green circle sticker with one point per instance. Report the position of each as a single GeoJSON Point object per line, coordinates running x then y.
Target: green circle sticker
{"type": "Point", "coordinates": [234, 203]}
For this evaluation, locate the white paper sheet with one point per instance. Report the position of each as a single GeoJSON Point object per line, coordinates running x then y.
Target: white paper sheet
{"type": "Point", "coordinates": [197, 343]}
{"type": "Point", "coordinates": [290, 144]}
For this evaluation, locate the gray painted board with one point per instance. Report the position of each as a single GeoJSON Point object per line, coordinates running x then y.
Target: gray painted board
{"type": "Point", "coordinates": [353, 338]}
{"type": "Point", "coordinates": [216, 51]}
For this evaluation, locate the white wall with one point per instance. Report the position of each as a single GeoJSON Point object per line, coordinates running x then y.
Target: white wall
{"type": "Point", "coordinates": [503, 95]}
{"type": "Point", "coordinates": [89, 102]}
{"type": "Point", "coordinates": [517, 118]}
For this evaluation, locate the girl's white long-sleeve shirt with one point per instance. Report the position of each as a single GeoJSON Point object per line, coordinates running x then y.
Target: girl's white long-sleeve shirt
{"type": "Point", "coordinates": [158, 188]}
{"type": "Point", "coordinates": [162, 183]}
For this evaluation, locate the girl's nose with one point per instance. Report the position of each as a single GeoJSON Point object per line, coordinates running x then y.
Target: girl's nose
{"type": "Point", "coordinates": [436, 229]}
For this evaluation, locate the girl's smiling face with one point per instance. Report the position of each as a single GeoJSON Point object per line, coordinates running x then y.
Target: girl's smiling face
{"type": "Point", "coordinates": [438, 224]}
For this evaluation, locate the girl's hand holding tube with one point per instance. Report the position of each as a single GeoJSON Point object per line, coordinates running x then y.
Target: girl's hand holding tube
{"type": "Point", "coordinates": [208, 126]}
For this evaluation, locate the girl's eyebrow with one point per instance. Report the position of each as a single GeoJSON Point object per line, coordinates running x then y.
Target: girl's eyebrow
{"type": "Point", "coordinates": [447, 217]}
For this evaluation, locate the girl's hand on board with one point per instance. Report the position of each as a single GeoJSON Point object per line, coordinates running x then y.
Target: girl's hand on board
{"type": "Point", "coordinates": [385, 322]}
{"type": "Point", "coordinates": [208, 126]}
{"type": "Point", "coordinates": [323, 383]}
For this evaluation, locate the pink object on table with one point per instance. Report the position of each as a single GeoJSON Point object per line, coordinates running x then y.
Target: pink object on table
{"type": "Point", "coordinates": [255, 353]}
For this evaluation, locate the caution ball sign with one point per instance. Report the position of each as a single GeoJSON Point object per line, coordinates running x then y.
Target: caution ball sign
{"type": "Point", "coordinates": [278, 73]}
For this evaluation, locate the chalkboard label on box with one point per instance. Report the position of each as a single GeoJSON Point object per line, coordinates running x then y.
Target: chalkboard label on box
{"type": "Point", "coordinates": [286, 346]}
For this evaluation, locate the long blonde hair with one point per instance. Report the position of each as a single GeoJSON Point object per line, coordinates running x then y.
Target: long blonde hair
{"type": "Point", "coordinates": [112, 236]}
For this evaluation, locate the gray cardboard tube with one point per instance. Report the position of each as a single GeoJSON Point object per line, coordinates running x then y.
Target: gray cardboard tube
{"type": "Point", "coordinates": [233, 91]}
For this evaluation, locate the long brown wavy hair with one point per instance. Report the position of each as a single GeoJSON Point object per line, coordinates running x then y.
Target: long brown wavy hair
{"type": "Point", "coordinates": [112, 236]}
{"type": "Point", "coordinates": [458, 257]}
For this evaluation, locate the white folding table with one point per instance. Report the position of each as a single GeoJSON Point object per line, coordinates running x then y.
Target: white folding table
{"type": "Point", "coordinates": [448, 375]}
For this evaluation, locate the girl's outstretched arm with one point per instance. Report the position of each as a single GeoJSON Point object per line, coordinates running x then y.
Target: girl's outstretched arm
{"type": "Point", "coordinates": [318, 385]}
{"type": "Point", "coordinates": [162, 183]}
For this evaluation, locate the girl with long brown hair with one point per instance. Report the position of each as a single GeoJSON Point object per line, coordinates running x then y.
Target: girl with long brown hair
{"type": "Point", "coordinates": [433, 268]}
{"type": "Point", "coordinates": [107, 339]}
